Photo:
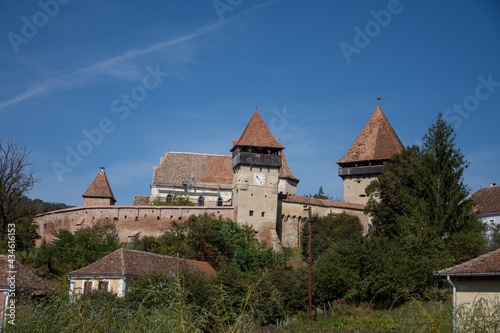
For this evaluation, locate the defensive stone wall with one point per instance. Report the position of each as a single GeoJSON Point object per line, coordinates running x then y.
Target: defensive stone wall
{"type": "Point", "coordinates": [130, 221]}
{"type": "Point", "coordinates": [291, 215]}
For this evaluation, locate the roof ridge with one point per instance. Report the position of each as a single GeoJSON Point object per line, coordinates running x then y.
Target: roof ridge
{"type": "Point", "coordinates": [470, 262]}
{"type": "Point", "coordinates": [389, 127]}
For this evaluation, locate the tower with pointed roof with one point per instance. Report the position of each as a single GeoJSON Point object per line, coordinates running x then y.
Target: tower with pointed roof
{"type": "Point", "coordinates": [365, 159]}
{"type": "Point", "coordinates": [99, 192]}
{"type": "Point", "coordinates": [256, 162]}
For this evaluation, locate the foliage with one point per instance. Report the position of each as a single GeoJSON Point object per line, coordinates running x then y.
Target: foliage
{"type": "Point", "coordinates": [211, 239]}
{"type": "Point", "coordinates": [175, 200]}
{"type": "Point", "coordinates": [329, 230]}
{"type": "Point", "coordinates": [421, 198]}
{"type": "Point", "coordinates": [320, 195]}
{"type": "Point", "coordinates": [72, 251]}
{"type": "Point", "coordinates": [16, 179]}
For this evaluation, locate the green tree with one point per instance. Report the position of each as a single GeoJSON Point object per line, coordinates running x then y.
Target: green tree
{"type": "Point", "coordinates": [320, 195]}
{"type": "Point", "coordinates": [327, 231]}
{"type": "Point", "coordinates": [216, 240]}
{"type": "Point", "coordinates": [70, 251]}
{"type": "Point", "coordinates": [175, 200]}
{"type": "Point", "coordinates": [420, 209]}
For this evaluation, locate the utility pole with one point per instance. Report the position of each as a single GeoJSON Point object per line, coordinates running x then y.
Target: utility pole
{"type": "Point", "coordinates": [309, 282]}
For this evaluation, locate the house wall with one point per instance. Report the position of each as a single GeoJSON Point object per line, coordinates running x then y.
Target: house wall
{"type": "Point", "coordinates": [490, 220]}
{"type": "Point", "coordinates": [130, 220]}
{"type": "Point", "coordinates": [470, 290]}
{"type": "Point", "coordinates": [113, 286]}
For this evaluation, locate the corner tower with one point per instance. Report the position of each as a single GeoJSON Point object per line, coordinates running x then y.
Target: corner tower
{"type": "Point", "coordinates": [99, 192]}
{"type": "Point", "coordinates": [365, 159]}
{"type": "Point", "coordinates": [256, 162]}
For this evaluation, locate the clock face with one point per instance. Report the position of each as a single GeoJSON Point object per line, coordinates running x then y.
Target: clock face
{"type": "Point", "coordinates": [259, 178]}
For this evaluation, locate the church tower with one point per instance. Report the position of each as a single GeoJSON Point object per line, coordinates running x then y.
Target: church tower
{"type": "Point", "coordinates": [256, 163]}
{"type": "Point", "coordinates": [364, 161]}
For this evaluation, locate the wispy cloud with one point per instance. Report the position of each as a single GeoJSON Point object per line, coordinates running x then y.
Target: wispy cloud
{"type": "Point", "coordinates": [81, 76]}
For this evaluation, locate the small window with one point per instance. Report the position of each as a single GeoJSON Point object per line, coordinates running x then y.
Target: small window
{"type": "Point", "coordinates": [219, 201]}
{"type": "Point", "coordinates": [87, 287]}
{"type": "Point", "coordinates": [262, 214]}
{"type": "Point", "coordinates": [169, 198]}
{"type": "Point", "coordinates": [103, 285]}
{"type": "Point", "coordinates": [250, 213]}
{"type": "Point", "coordinates": [201, 201]}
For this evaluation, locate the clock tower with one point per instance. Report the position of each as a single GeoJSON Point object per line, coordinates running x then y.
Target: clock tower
{"type": "Point", "coordinates": [257, 158]}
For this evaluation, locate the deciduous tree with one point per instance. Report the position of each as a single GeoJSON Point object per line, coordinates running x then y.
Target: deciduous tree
{"type": "Point", "coordinates": [16, 178]}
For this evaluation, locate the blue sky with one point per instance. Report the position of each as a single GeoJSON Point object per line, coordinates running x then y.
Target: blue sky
{"type": "Point", "coordinates": [117, 84]}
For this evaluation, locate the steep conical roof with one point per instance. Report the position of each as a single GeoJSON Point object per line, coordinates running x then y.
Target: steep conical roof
{"type": "Point", "coordinates": [257, 134]}
{"type": "Point", "coordinates": [285, 171]}
{"type": "Point", "coordinates": [377, 141]}
{"type": "Point", "coordinates": [99, 188]}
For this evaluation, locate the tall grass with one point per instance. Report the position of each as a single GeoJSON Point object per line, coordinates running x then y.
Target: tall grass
{"type": "Point", "coordinates": [172, 305]}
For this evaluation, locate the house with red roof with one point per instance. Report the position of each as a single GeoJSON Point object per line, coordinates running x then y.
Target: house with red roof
{"type": "Point", "coordinates": [487, 206]}
{"type": "Point", "coordinates": [474, 280]}
{"type": "Point", "coordinates": [117, 271]}
{"type": "Point", "coordinates": [15, 280]}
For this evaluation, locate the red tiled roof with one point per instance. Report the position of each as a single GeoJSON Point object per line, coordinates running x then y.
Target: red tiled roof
{"type": "Point", "coordinates": [25, 279]}
{"type": "Point", "coordinates": [323, 202]}
{"type": "Point", "coordinates": [487, 200]}
{"type": "Point", "coordinates": [140, 200]}
{"type": "Point", "coordinates": [208, 171]}
{"type": "Point", "coordinates": [140, 263]}
{"type": "Point", "coordinates": [100, 188]}
{"type": "Point", "coordinates": [285, 171]}
{"type": "Point", "coordinates": [485, 265]}
{"type": "Point", "coordinates": [377, 141]}
{"type": "Point", "coordinates": [257, 134]}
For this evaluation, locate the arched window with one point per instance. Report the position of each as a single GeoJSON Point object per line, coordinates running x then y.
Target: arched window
{"type": "Point", "coordinates": [169, 198]}
{"type": "Point", "coordinates": [201, 201]}
{"type": "Point", "coordinates": [219, 201]}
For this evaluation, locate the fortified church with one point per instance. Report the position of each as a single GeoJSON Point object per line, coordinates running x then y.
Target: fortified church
{"type": "Point", "coordinates": [254, 185]}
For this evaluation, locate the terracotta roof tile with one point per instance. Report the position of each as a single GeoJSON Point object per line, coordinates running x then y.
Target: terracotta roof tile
{"type": "Point", "coordinates": [208, 171]}
{"type": "Point", "coordinates": [25, 279]}
{"type": "Point", "coordinates": [487, 200]}
{"type": "Point", "coordinates": [140, 200]}
{"type": "Point", "coordinates": [140, 263]}
{"type": "Point", "coordinates": [323, 202]}
{"type": "Point", "coordinates": [100, 188]}
{"type": "Point", "coordinates": [377, 141]}
{"type": "Point", "coordinates": [285, 171]}
{"type": "Point", "coordinates": [487, 264]}
{"type": "Point", "coordinates": [257, 134]}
